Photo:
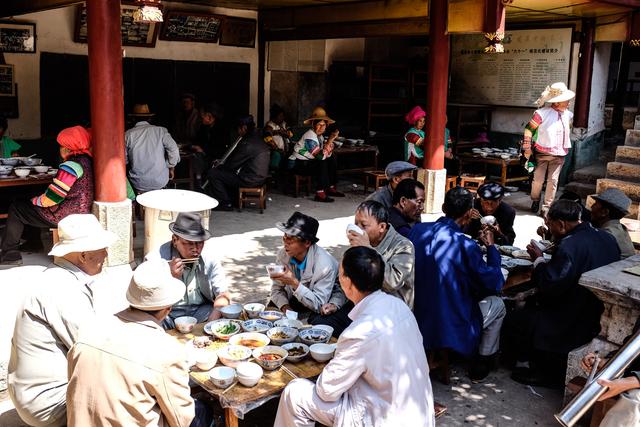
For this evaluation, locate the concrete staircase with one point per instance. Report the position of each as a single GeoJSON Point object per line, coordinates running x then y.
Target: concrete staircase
{"type": "Point", "coordinates": [624, 172]}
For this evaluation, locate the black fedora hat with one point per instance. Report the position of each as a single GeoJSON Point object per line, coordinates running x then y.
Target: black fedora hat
{"type": "Point", "coordinates": [300, 225]}
{"type": "Point", "coordinates": [188, 225]}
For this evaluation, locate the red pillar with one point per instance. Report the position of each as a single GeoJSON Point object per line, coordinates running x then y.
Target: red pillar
{"type": "Point", "coordinates": [107, 104]}
{"type": "Point", "coordinates": [585, 73]}
{"type": "Point", "coordinates": [437, 86]}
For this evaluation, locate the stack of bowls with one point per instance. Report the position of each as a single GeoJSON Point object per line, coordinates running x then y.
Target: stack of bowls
{"type": "Point", "coordinates": [249, 373]}
{"type": "Point", "coordinates": [222, 376]}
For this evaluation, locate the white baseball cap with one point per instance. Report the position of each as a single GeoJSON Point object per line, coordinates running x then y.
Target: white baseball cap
{"type": "Point", "coordinates": [81, 233]}
{"type": "Point", "coordinates": [152, 286]}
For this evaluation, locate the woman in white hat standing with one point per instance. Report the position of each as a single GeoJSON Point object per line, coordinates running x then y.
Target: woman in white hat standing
{"type": "Point", "coordinates": [550, 129]}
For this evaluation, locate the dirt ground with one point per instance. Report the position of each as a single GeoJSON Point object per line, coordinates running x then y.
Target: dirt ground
{"type": "Point", "coordinates": [247, 241]}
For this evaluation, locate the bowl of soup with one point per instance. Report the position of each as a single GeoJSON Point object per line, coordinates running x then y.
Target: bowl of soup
{"type": "Point", "coordinates": [270, 357]}
{"type": "Point", "coordinates": [250, 339]}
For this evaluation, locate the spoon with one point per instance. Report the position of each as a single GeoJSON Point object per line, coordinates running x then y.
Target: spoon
{"type": "Point", "coordinates": [30, 156]}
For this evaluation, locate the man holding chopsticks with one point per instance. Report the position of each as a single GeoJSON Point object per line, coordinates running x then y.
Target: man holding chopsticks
{"type": "Point", "coordinates": [192, 261]}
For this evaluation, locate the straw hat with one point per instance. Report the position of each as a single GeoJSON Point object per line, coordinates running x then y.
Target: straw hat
{"type": "Point", "coordinates": [319, 114]}
{"type": "Point", "coordinates": [152, 286]}
{"type": "Point", "coordinates": [557, 92]}
{"type": "Point", "coordinates": [141, 110]}
{"type": "Point", "coordinates": [81, 233]}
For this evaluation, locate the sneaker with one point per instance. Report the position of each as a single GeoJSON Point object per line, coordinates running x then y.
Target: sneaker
{"type": "Point", "coordinates": [535, 206]}
{"type": "Point", "coordinates": [225, 207]}
{"type": "Point", "coordinates": [331, 191]}
{"type": "Point", "coordinates": [480, 368]}
{"type": "Point", "coordinates": [321, 199]}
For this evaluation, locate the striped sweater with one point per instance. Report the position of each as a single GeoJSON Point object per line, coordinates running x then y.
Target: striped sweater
{"type": "Point", "coordinates": [68, 173]}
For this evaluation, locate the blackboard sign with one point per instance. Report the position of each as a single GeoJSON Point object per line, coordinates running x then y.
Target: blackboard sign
{"type": "Point", "coordinates": [191, 27]}
{"type": "Point", "coordinates": [238, 32]}
{"type": "Point", "coordinates": [6, 80]}
{"type": "Point", "coordinates": [17, 37]}
{"type": "Point", "coordinates": [142, 34]}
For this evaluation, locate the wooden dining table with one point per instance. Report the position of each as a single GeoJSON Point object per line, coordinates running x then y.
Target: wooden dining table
{"type": "Point", "coordinates": [15, 181]}
{"type": "Point", "coordinates": [239, 399]}
{"type": "Point", "coordinates": [504, 164]}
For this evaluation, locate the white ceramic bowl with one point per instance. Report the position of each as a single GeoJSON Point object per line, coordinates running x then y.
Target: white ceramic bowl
{"type": "Point", "coordinates": [233, 354]}
{"type": "Point", "coordinates": [41, 169]}
{"type": "Point", "coordinates": [327, 328]}
{"type": "Point", "coordinates": [10, 161]}
{"type": "Point", "coordinates": [355, 229]}
{"type": "Point", "coordinates": [249, 373]}
{"type": "Point", "coordinates": [488, 220]}
{"type": "Point", "coordinates": [274, 268]}
{"type": "Point", "coordinates": [290, 323]}
{"type": "Point", "coordinates": [296, 345]}
{"type": "Point", "coordinates": [32, 161]}
{"type": "Point", "coordinates": [22, 172]}
{"type": "Point", "coordinates": [185, 324]}
{"type": "Point", "coordinates": [505, 273]}
{"type": "Point", "coordinates": [221, 330]}
{"type": "Point", "coordinates": [231, 311]}
{"type": "Point", "coordinates": [282, 335]}
{"type": "Point", "coordinates": [322, 352]}
{"type": "Point", "coordinates": [505, 156]}
{"type": "Point", "coordinates": [267, 364]}
{"type": "Point", "coordinates": [251, 340]}
{"type": "Point", "coordinates": [52, 171]}
{"type": "Point", "coordinates": [206, 360]}
{"type": "Point", "coordinates": [5, 169]}
{"type": "Point", "coordinates": [257, 325]}
{"type": "Point", "coordinates": [253, 309]}
{"type": "Point", "coordinates": [271, 315]}
{"type": "Point", "coordinates": [222, 376]}
{"type": "Point", "coordinates": [314, 336]}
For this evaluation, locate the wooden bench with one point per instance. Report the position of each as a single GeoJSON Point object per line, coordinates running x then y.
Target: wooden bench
{"type": "Point", "coordinates": [379, 179]}
{"type": "Point", "coordinates": [452, 181]}
{"type": "Point", "coordinates": [252, 194]}
{"type": "Point", "coordinates": [472, 183]}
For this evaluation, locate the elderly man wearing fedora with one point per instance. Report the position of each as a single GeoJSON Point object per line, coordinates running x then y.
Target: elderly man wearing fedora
{"type": "Point", "coordinates": [488, 204]}
{"type": "Point", "coordinates": [552, 126]}
{"type": "Point", "coordinates": [125, 370]}
{"type": "Point", "coordinates": [62, 300]}
{"type": "Point", "coordinates": [312, 155]}
{"type": "Point", "coordinates": [309, 273]}
{"type": "Point", "coordinates": [606, 211]}
{"type": "Point", "coordinates": [150, 152]}
{"type": "Point", "coordinates": [395, 171]}
{"type": "Point", "coordinates": [193, 262]}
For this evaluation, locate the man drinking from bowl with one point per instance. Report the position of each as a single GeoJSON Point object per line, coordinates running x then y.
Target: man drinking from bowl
{"type": "Point", "coordinates": [361, 385]}
{"type": "Point", "coordinates": [191, 259]}
{"type": "Point", "coordinates": [309, 273]}
{"type": "Point", "coordinates": [490, 211]}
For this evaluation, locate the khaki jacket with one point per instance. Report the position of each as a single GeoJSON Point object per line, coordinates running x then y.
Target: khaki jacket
{"type": "Point", "coordinates": [125, 370]}
{"type": "Point", "coordinates": [619, 231]}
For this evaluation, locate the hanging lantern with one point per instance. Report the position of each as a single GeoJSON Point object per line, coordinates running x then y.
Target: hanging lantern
{"type": "Point", "coordinates": [148, 12]}
{"type": "Point", "coordinates": [495, 12]}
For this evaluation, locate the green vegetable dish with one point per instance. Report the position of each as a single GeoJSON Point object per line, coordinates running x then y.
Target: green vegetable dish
{"type": "Point", "coordinates": [226, 329]}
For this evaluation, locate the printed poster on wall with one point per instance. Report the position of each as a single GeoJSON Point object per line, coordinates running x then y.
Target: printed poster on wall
{"type": "Point", "coordinates": [532, 59]}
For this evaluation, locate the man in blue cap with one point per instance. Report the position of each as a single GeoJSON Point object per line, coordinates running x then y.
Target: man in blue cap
{"type": "Point", "coordinates": [395, 172]}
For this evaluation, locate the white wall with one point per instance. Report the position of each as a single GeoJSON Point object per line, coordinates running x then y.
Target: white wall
{"type": "Point", "coordinates": [601, 58]}
{"type": "Point", "coordinates": [55, 34]}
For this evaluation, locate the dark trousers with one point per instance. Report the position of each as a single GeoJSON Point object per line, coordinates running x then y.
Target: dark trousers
{"type": "Point", "coordinates": [22, 213]}
{"type": "Point", "coordinates": [339, 320]}
{"type": "Point", "coordinates": [204, 415]}
{"type": "Point", "coordinates": [223, 185]}
{"type": "Point", "coordinates": [325, 171]}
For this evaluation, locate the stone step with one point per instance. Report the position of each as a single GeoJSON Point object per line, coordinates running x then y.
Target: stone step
{"type": "Point", "coordinates": [590, 174]}
{"type": "Point", "coordinates": [627, 154]}
{"type": "Point", "coordinates": [632, 139]}
{"type": "Point", "coordinates": [623, 171]}
{"type": "Point", "coordinates": [580, 188]}
{"type": "Point", "coordinates": [631, 189]}
{"type": "Point", "coordinates": [633, 209]}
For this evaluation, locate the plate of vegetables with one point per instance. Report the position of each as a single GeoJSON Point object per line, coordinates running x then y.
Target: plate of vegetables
{"type": "Point", "coordinates": [222, 329]}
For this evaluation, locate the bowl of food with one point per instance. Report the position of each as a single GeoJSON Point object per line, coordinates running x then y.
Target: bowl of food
{"type": "Point", "coordinates": [322, 352]}
{"type": "Point", "coordinates": [231, 311]}
{"type": "Point", "coordinates": [52, 171]}
{"type": "Point", "coordinates": [296, 351]}
{"type": "Point", "coordinates": [282, 334]}
{"type": "Point", "coordinates": [505, 156]}
{"type": "Point", "coordinates": [231, 355]}
{"type": "Point", "coordinates": [41, 169]}
{"type": "Point", "coordinates": [271, 315]}
{"type": "Point", "coordinates": [222, 376]}
{"type": "Point", "coordinates": [206, 360]}
{"type": "Point", "coordinates": [256, 325]}
{"type": "Point", "coordinates": [488, 220]}
{"type": "Point", "coordinates": [249, 373]}
{"type": "Point", "coordinates": [10, 161]}
{"type": "Point", "coordinates": [222, 329]}
{"type": "Point", "coordinates": [31, 161]}
{"type": "Point", "coordinates": [5, 169]}
{"type": "Point", "coordinates": [251, 340]}
{"type": "Point", "coordinates": [185, 324]}
{"type": "Point", "coordinates": [314, 336]}
{"type": "Point", "coordinates": [290, 323]}
{"type": "Point", "coordinates": [274, 268]}
{"type": "Point", "coordinates": [22, 171]}
{"type": "Point", "coordinates": [270, 357]}
{"type": "Point", "coordinates": [327, 328]}
{"type": "Point", "coordinates": [253, 309]}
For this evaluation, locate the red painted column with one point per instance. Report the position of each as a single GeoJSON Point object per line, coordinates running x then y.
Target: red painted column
{"type": "Point", "coordinates": [107, 103]}
{"type": "Point", "coordinates": [437, 86]}
{"type": "Point", "coordinates": [585, 73]}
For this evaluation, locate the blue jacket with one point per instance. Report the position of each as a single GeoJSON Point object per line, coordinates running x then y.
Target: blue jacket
{"type": "Point", "coordinates": [451, 278]}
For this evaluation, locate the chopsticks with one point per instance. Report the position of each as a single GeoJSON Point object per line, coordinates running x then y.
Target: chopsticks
{"type": "Point", "coordinates": [284, 368]}
{"type": "Point", "coordinates": [230, 387]}
{"type": "Point", "coordinates": [190, 260]}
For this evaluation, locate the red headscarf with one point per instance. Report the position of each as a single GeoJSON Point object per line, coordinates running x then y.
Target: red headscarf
{"type": "Point", "coordinates": [76, 139]}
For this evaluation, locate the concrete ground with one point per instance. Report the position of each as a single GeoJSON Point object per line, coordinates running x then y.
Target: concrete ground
{"type": "Point", "coordinates": [246, 242]}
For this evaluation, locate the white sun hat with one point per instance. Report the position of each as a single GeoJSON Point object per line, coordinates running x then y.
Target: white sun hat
{"type": "Point", "coordinates": [557, 92]}
{"type": "Point", "coordinates": [152, 286]}
{"type": "Point", "coordinates": [81, 233]}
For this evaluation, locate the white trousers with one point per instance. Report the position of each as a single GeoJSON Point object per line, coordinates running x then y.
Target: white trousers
{"type": "Point", "coordinates": [300, 406]}
{"type": "Point", "coordinates": [626, 411]}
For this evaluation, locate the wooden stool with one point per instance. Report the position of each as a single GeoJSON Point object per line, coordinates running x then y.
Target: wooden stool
{"type": "Point", "coordinates": [379, 178]}
{"type": "Point", "coordinates": [472, 183]}
{"type": "Point", "coordinates": [252, 194]}
{"type": "Point", "coordinates": [54, 235]}
{"type": "Point", "coordinates": [451, 182]}
{"type": "Point", "coordinates": [301, 180]}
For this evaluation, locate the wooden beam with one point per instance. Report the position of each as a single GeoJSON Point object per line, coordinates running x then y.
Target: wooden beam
{"type": "Point", "coordinates": [625, 3]}
{"type": "Point", "coordinates": [10, 8]}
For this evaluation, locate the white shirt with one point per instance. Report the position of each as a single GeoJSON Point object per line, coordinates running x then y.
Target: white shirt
{"type": "Point", "coordinates": [554, 131]}
{"type": "Point", "coordinates": [380, 369]}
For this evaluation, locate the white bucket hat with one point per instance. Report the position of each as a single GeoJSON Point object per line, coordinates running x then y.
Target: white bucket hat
{"type": "Point", "coordinates": [81, 233]}
{"type": "Point", "coordinates": [557, 92]}
{"type": "Point", "coordinates": [152, 286]}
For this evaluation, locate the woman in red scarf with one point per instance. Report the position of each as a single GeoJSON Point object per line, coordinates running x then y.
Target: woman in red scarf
{"type": "Point", "coordinates": [71, 192]}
